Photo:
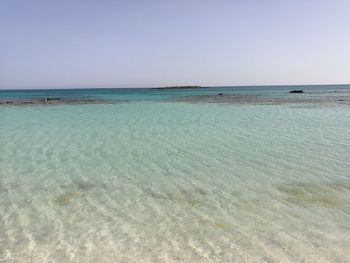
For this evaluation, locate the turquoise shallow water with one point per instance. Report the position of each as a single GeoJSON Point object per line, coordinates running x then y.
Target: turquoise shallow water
{"type": "Point", "coordinates": [170, 176]}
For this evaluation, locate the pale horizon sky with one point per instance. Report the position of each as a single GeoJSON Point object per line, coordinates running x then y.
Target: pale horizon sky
{"type": "Point", "coordinates": [99, 44]}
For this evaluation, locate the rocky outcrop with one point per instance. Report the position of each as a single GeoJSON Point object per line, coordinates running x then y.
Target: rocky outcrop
{"type": "Point", "coordinates": [296, 91]}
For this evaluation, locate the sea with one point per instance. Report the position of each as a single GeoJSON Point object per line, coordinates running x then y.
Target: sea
{"type": "Point", "coordinates": [217, 174]}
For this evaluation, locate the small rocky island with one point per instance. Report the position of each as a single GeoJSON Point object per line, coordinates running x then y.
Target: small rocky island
{"type": "Point", "coordinates": [178, 87]}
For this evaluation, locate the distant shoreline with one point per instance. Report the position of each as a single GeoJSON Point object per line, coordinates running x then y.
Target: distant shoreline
{"type": "Point", "coordinates": [179, 87]}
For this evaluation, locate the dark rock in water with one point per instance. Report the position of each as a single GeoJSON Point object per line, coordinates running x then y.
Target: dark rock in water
{"type": "Point", "coordinates": [296, 91]}
{"type": "Point", "coordinates": [341, 100]}
{"type": "Point", "coordinates": [220, 94]}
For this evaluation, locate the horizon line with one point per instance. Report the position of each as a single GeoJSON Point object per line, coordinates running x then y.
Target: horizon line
{"type": "Point", "coordinates": [151, 87]}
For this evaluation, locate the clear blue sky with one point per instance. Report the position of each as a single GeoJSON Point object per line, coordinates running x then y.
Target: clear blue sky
{"type": "Point", "coordinates": [72, 43]}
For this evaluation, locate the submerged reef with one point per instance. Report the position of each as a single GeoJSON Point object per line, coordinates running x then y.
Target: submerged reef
{"type": "Point", "coordinates": [261, 100]}
{"type": "Point", "coordinates": [52, 101]}
{"type": "Point", "coordinates": [328, 194]}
